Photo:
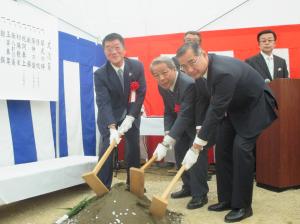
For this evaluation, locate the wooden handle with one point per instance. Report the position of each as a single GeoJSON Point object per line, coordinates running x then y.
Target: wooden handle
{"type": "Point", "coordinates": [105, 156]}
{"type": "Point", "coordinates": [149, 162]}
{"type": "Point", "coordinates": [173, 182]}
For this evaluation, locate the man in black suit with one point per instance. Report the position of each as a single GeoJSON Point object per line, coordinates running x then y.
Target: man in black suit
{"type": "Point", "coordinates": [241, 107]}
{"type": "Point", "coordinates": [178, 92]}
{"type": "Point", "coordinates": [203, 96]}
{"type": "Point", "coordinates": [266, 63]}
{"type": "Point", "coordinates": [120, 91]}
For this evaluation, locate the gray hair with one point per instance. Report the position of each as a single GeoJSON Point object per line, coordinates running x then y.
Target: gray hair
{"type": "Point", "coordinates": [162, 59]}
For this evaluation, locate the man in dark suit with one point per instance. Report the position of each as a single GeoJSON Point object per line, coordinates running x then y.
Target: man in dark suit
{"type": "Point", "coordinates": [241, 107]}
{"type": "Point", "coordinates": [203, 96]}
{"type": "Point", "coordinates": [178, 92]}
{"type": "Point", "coordinates": [266, 63]}
{"type": "Point", "coordinates": [120, 91]}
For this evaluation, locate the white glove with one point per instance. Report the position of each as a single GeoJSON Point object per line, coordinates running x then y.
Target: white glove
{"type": "Point", "coordinates": [126, 124]}
{"type": "Point", "coordinates": [198, 129]}
{"type": "Point", "coordinates": [169, 141]}
{"type": "Point", "coordinates": [199, 141]}
{"type": "Point", "coordinates": [114, 135]}
{"type": "Point", "coordinates": [190, 158]}
{"type": "Point", "coordinates": [160, 151]}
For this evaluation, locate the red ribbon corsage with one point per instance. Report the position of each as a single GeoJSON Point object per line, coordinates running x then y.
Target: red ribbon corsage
{"type": "Point", "coordinates": [177, 108]}
{"type": "Point", "coordinates": [133, 87]}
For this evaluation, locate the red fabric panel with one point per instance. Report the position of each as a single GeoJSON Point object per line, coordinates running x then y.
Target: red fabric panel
{"type": "Point", "coordinates": [152, 142]}
{"type": "Point", "coordinates": [241, 41]}
{"type": "Point", "coordinates": [121, 150]}
{"type": "Point", "coordinates": [211, 155]}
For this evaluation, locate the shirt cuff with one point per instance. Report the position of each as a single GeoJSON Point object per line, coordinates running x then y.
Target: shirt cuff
{"type": "Point", "coordinates": [199, 141]}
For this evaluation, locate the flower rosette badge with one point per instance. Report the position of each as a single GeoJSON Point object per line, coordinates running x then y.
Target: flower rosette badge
{"type": "Point", "coordinates": [176, 108]}
{"type": "Point", "coordinates": [133, 88]}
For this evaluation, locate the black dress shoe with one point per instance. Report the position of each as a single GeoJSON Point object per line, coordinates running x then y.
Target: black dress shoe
{"type": "Point", "coordinates": [197, 202]}
{"type": "Point", "coordinates": [181, 194]}
{"type": "Point", "coordinates": [219, 207]}
{"type": "Point", "coordinates": [238, 214]}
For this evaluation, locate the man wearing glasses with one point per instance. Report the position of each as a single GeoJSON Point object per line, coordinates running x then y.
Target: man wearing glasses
{"type": "Point", "coordinates": [120, 91]}
{"type": "Point", "coordinates": [179, 93]}
{"type": "Point", "coordinates": [189, 37]}
{"type": "Point", "coordinates": [266, 63]}
{"type": "Point", "coordinates": [202, 94]}
{"type": "Point", "coordinates": [241, 107]}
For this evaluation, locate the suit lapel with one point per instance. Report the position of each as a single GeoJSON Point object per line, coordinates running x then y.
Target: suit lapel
{"type": "Point", "coordinates": [276, 66]}
{"type": "Point", "coordinates": [127, 69]}
{"type": "Point", "coordinates": [209, 76]}
{"type": "Point", "coordinates": [177, 89]}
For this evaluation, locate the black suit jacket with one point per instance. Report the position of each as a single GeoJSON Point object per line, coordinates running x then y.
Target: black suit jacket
{"type": "Point", "coordinates": [183, 95]}
{"type": "Point", "coordinates": [111, 100]}
{"type": "Point", "coordinates": [240, 91]}
{"type": "Point", "coordinates": [202, 100]}
{"type": "Point", "coordinates": [259, 64]}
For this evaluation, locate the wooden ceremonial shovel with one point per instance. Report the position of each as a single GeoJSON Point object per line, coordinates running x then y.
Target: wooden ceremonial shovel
{"type": "Point", "coordinates": [137, 178]}
{"type": "Point", "coordinates": [92, 179]}
{"type": "Point", "coordinates": [159, 205]}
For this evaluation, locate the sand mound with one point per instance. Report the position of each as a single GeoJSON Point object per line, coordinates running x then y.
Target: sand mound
{"type": "Point", "coordinates": [121, 207]}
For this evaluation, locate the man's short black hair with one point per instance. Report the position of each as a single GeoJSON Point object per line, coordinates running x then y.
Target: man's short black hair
{"type": "Point", "coordinates": [193, 33]}
{"type": "Point", "coordinates": [183, 49]}
{"type": "Point", "coordinates": [111, 37]}
{"type": "Point", "coordinates": [265, 32]}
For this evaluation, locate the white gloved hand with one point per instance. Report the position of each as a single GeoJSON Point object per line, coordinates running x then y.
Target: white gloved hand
{"type": "Point", "coordinates": [160, 151]}
{"type": "Point", "coordinates": [169, 141]}
{"type": "Point", "coordinates": [190, 158]}
{"type": "Point", "coordinates": [198, 128]}
{"type": "Point", "coordinates": [114, 135]}
{"type": "Point", "coordinates": [199, 141]}
{"type": "Point", "coordinates": [126, 124]}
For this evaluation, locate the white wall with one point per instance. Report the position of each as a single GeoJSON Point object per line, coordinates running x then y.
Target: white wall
{"type": "Point", "coordinates": [151, 17]}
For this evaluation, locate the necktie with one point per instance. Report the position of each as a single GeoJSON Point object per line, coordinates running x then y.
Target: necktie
{"type": "Point", "coordinates": [270, 65]}
{"type": "Point", "coordinates": [120, 74]}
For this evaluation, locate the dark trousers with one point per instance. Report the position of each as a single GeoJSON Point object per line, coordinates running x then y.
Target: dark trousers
{"type": "Point", "coordinates": [234, 166]}
{"type": "Point", "coordinates": [131, 157]}
{"type": "Point", "coordinates": [195, 179]}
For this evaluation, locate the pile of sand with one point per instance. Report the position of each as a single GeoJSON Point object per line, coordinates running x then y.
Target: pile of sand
{"type": "Point", "coordinates": [121, 207]}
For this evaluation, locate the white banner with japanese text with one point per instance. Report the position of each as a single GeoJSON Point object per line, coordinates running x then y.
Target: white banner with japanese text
{"type": "Point", "coordinates": [28, 53]}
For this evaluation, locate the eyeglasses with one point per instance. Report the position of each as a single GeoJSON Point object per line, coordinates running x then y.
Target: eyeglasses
{"type": "Point", "coordinates": [112, 49]}
{"type": "Point", "coordinates": [190, 63]}
{"type": "Point", "coordinates": [267, 41]}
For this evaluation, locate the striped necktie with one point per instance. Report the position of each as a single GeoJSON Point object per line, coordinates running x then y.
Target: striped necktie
{"type": "Point", "coordinates": [120, 74]}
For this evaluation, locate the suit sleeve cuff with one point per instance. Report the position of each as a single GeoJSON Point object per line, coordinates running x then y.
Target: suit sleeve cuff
{"type": "Point", "coordinates": [199, 141]}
